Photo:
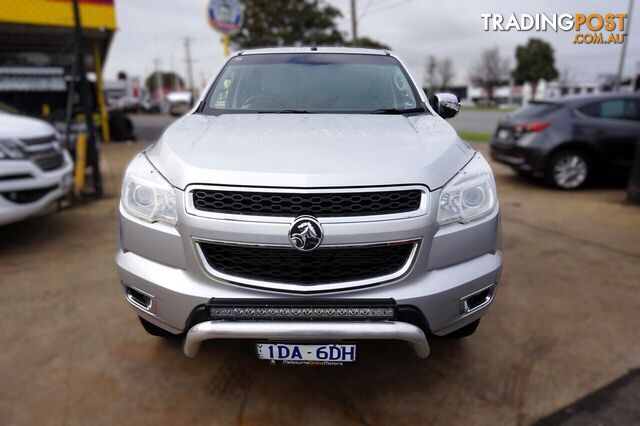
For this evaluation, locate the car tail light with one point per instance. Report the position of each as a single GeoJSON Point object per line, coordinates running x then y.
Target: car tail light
{"type": "Point", "coordinates": [536, 126]}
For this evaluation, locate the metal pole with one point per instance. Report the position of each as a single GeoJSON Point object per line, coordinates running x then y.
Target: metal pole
{"type": "Point", "coordinates": [104, 115]}
{"type": "Point", "coordinates": [633, 190]}
{"type": "Point", "coordinates": [70, 95]}
{"type": "Point", "coordinates": [225, 45]}
{"type": "Point", "coordinates": [187, 51]}
{"type": "Point", "coordinates": [173, 74]}
{"type": "Point", "coordinates": [623, 54]}
{"type": "Point", "coordinates": [354, 22]}
{"type": "Point", "coordinates": [94, 159]}
{"type": "Point", "coordinates": [158, 94]}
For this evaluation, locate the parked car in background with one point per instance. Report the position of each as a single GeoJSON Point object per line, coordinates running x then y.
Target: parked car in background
{"type": "Point", "coordinates": [179, 102]}
{"type": "Point", "coordinates": [150, 106]}
{"type": "Point", "coordinates": [34, 170]}
{"type": "Point", "coordinates": [571, 141]}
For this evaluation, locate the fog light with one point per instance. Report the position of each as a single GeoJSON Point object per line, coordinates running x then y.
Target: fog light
{"type": "Point", "coordinates": [476, 300]}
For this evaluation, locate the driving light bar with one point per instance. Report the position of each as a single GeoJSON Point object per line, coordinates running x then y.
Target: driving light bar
{"type": "Point", "coordinates": [292, 309]}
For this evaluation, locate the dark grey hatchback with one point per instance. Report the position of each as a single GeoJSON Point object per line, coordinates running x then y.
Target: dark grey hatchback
{"type": "Point", "coordinates": [572, 140]}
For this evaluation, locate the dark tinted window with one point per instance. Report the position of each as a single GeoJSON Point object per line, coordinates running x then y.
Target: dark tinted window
{"type": "Point", "coordinates": [636, 116]}
{"type": "Point", "coordinates": [617, 109]}
{"type": "Point", "coordinates": [536, 109]}
{"type": "Point", "coordinates": [314, 82]}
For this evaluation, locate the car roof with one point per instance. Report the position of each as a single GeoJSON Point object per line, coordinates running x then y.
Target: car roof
{"type": "Point", "coordinates": [314, 49]}
{"type": "Point", "coordinates": [594, 97]}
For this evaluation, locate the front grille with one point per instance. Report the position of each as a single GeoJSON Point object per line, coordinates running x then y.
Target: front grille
{"type": "Point", "coordinates": [16, 176]}
{"type": "Point", "coordinates": [326, 265]}
{"type": "Point", "coordinates": [332, 204]}
{"type": "Point", "coordinates": [49, 159]}
{"type": "Point", "coordinates": [39, 141]}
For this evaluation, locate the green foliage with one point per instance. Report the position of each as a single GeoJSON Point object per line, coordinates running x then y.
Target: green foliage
{"type": "Point", "coordinates": [168, 79]}
{"type": "Point", "coordinates": [475, 136]}
{"type": "Point", "coordinates": [288, 23]}
{"type": "Point", "coordinates": [367, 42]}
{"type": "Point", "coordinates": [535, 61]}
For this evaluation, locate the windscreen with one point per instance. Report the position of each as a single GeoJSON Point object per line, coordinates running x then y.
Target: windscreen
{"type": "Point", "coordinates": [535, 109]}
{"type": "Point", "coordinates": [314, 83]}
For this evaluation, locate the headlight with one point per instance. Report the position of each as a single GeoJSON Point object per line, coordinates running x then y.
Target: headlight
{"type": "Point", "coordinates": [470, 195]}
{"type": "Point", "coordinates": [10, 148]}
{"type": "Point", "coordinates": [147, 195]}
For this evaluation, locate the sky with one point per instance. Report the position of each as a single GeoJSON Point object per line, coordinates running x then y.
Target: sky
{"type": "Point", "coordinates": [155, 30]}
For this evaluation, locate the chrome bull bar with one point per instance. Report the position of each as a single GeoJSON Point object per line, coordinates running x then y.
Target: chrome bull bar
{"type": "Point", "coordinates": [312, 330]}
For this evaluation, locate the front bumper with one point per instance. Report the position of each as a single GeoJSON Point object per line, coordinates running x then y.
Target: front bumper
{"type": "Point", "coordinates": [174, 295]}
{"type": "Point", "coordinates": [30, 177]}
{"type": "Point", "coordinates": [452, 264]}
{"type": "Point", "coordinates": [315, 331]}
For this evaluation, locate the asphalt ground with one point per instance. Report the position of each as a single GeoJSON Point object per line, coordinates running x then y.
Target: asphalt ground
{"type": "Point", "coordinates": [564, 325]}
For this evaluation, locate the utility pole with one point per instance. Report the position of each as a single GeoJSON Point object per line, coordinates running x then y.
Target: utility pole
{"type": "Point", "coordinates": [94, 159]}
{"type": "Point", "coordinates": [623, 54]}
{"type": "Point", "coordinates": [173, 74]}
{"type": "Point", "coordinates": [187, 52]}
{"type": "Point", "coordinates": [158, 75]}
{"type": "Point", "coordinates": [354, 22]}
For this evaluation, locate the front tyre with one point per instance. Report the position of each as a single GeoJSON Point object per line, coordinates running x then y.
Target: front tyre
{"type": "Point", "coordinates": [154, 330]}
{"type": "Point", "coordinates": [569, 169]}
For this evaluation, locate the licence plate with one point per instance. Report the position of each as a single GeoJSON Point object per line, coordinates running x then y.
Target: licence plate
{"type": "Point", "coordinates": [290, 353]}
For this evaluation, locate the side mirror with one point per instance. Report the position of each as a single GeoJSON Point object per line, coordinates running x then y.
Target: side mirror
{"type": "Point", "coordinates": [448, 105]}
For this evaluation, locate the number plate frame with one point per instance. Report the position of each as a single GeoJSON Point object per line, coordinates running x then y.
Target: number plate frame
{"type": "Point", "coordinates": [307, 353]}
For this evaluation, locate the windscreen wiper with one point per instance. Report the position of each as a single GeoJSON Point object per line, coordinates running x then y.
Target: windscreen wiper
{"type": "Point", "coordinates": [286, 111]}
{"type": "Point", "coordinates": [395, 111]}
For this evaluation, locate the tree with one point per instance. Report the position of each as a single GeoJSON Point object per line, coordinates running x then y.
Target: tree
{"type": "Point", "coordinates": [288, 23]}
{"type": "Point", "coordinates": [446, 73]}
{"type": "Point", "coordinates": [167, 79]}
{"type": "Point", "coordinates": [438, 73]}
{"type": "Point", "coordinates": [430, 79]}
{"type": "Point", "coordinates": [367, 42]}
{"type": "Point", "coordinates": [535, 62]}
{"type": "Point", "coordinates": [491, 71]}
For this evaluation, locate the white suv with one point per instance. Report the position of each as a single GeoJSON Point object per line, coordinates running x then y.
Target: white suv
{"type": "Point", "coordinates": [34, 169]}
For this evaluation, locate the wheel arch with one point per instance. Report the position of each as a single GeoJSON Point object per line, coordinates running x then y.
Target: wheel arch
{"type": "Point", "coordinates": [589, 152]}
{"type": "Point", "coordinates": [587, 148]}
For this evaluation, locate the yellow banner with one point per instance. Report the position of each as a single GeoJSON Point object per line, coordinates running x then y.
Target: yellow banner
{"type": "Point", "coordinates": [94, 13]}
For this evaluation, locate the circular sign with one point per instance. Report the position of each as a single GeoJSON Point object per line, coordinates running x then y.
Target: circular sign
{"type": "Point", "coordinates": [305, 233]}
{"type": "Point", "coordinates": [225, 16]}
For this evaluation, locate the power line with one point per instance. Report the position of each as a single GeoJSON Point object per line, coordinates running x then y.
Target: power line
{"type": "Point", "coordinates": [364, 10]}
{"type": "Point", "coordinates": [368, 5]}
{"type": "Point", "coordinates": [391, 6]}
{"type": "Point", "coordinates": [355, 16]}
